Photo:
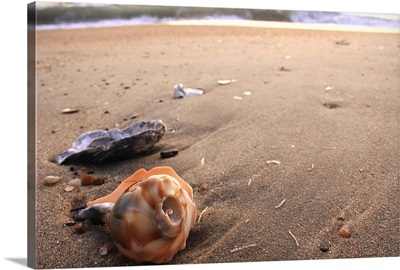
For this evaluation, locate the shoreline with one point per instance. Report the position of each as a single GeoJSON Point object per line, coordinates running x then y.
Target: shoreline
{"type": "Point", "coordinates": [237, 23]}
{"type": "Point", "coordinates": [290, 25]}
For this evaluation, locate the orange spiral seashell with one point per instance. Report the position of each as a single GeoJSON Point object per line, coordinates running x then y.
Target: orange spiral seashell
{"type": "Point", "coordinates": [152, 215]}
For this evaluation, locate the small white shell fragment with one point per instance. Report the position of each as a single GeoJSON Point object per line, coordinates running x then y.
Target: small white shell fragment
{"type": "Point", "coordinates": [181, 91]}
{"type": "Point", "coordinates": [329, 88]}
{"type": "Point", "coordinates": [202, 162]}
{"type": "Point", "coordinates": [49, 180]}
{"type": "Point", "coordinates": [288, 57]}
{"type": "Point", "coordinates": [275, 162]}
{"type": "Point", "coordinates": [243, 247]}
{"type": "Point", "coordinates": [74, 182]}
{"type": "Point", "coordinates": [247, 93]}
{"type": "Point", "coordinates": [224, 82]}
{"type": "Point", "coordinates": [69, 188]}
{"type": "Point", "coordinates": [237, 97]}
{"type": "Point", "coordinates": [69, 110]}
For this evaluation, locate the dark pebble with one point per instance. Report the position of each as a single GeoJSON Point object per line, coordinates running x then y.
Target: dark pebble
{"type": "Point", "coordinates": [87, 179]}
{"type": "Point", "coordinates": [324, 247]}
{"type": "Point", "coordinates": [168, 154]}
{"type": "Point", "coordinates": [98, 181]}
{"type": "Point", "coordinates": [331, 105]}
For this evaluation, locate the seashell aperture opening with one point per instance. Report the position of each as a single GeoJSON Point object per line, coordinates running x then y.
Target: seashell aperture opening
{"type": "Point", "coordinates": [152, 219]}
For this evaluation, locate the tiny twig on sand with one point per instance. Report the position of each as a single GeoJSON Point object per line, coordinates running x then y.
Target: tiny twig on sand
{"type": "Point", "coordinates": [202, 212]}
{"type": "Point", "coordinates": [275, 162]}
{"type": "Point", "coordinates": [244, 247]}
{"type": "Point", "coordinates": [311, 168]}
{"type": "Point", "coordinates": [294, 237]}
{"type": "Point", "coordinates": [329, 148]}
{"type": "Point", "coordinates": [280, 204]}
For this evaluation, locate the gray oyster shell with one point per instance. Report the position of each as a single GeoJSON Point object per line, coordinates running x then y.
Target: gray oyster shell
{"type": "Point", "coordinates": [101, 146]}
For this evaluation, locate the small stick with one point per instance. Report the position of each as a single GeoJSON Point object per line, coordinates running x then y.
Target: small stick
{"type": "Point", "coordinates": [280, 204]}
{"type": "Point", "coordinates": [202, 212]}
{"type": "Point", "coordinates": [329, 148]}
{"type": "Point", "coordinates": [249, 182]}
{"type": "Point", "coordinates": [311, 168]}
{"type": "Point", "coordinates": [275, 162]}
{"type": "Point", "coordinates": [294, 237]}
{"type": "Point", "coordinates": [244, 247]}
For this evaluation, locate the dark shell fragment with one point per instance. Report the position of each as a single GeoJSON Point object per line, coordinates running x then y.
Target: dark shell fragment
{"type": "Point", "coordinates": [168, 154]}
{"type": "Point", "coordinates": [101, 146]}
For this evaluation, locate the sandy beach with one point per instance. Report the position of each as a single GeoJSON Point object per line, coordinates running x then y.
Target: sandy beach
{"type": "Point", "coordinates": [304, 142]}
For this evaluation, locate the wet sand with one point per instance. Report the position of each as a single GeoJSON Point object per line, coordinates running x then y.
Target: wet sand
{"type": "Point", "coordinates": [304, 142]}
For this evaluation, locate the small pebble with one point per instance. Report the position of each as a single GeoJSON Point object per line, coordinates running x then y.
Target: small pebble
{"type": "Point", "coordinates": [105, 249]}
{"type": "Point", "coordinates": [69, 188]}
{"type": "Point", "coordinates": [202, 187]}
{"type": "Point", "coordinates": [49, 180]}
{"type": "Point", "coordinates": [98, 181]}
{"type": "Point", "coordinates": [344, 233]}
{"type": "Point", "coordinates": [74, 182]}
{"type": "Point", "coordinates": [324, 247]}
{"type": "Point", "coordinates": [87, 179]}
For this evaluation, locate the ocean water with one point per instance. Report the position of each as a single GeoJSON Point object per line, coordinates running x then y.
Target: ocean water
{"type": "Point", "coordinates": [83, 15]}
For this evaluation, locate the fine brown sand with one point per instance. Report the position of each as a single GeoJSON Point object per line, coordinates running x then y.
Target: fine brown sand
{"type": "Point", "coordinates": [323, 103]}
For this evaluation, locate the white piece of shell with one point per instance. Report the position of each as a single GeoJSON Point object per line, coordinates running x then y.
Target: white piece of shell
{"type": "Point", "coordinates": [225, 82]}
{"type": "Point", "coordinates": [275, 162]}
{"type": "Point", "coordinates": [69, 111]}
{"type": "Point", "coordinates": [180, 91]}
{"type": "Point", "coordinates": [69, 188]}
